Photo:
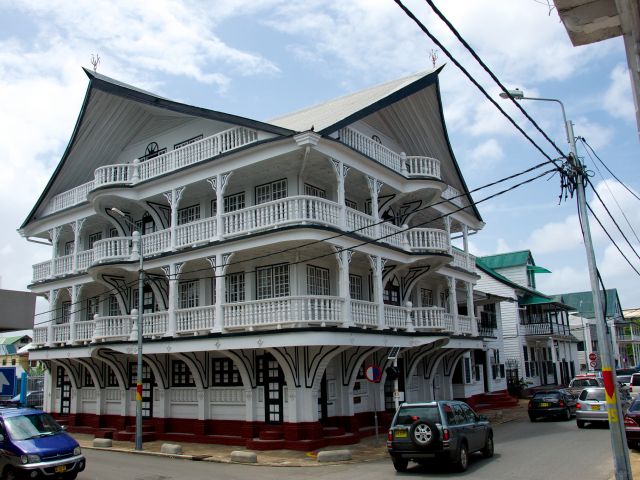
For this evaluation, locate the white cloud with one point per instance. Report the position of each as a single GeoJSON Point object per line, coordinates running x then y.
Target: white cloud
{"type": "Point", "coordinates": [618, 101]}
{"type": "Point", "coordinates": [503, 246]}
{"type": "Point", "coordinates": [486, 155]}
{"type": "Point", "coordinates": [596, 134]}
{"type": "Point", "coordinates": [555, 236]}
{"type": "Point", "coordinates": [563, 280]}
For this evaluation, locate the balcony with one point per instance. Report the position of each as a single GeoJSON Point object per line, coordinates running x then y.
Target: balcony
{"type": "Point", "coordinates": [535, 329]}
{"type": "Point", "coordinates": [297, 210]}
{"type": "Point", "coordinates": [132, 173]}
{"type": "Point", "coordinates": [412, 166]}
{"type": "Point", "coordinates": [463, 260]}
{"type": "Point", "coordinates": [268, 314]}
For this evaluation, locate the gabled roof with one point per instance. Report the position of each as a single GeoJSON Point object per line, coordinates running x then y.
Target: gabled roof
{"type": "Point", "coordinates": [509, 259]}
{"type": "Point", "coordinates": [583, 303]}
{"type": "Point", "coordinates": [11, 340]}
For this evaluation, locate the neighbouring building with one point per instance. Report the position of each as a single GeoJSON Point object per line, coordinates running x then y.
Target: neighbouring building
{"type": "Point", "coordinates": [624, 334]}
{"type": "Point", "coordinates": [18, 310]}
{"type": "Point", "coordinates": [539, 347]}
{"type": "Point", "coordinates": [281, 260]}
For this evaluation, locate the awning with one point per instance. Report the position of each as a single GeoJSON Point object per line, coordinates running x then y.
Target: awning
{"type": "Point", "coordinates": [535, 300]}
{"type": "Point", "coordinates": [537, 269]}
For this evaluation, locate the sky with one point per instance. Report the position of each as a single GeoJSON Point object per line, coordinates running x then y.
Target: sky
{"type": "Point", "coordinates": [263, 58]}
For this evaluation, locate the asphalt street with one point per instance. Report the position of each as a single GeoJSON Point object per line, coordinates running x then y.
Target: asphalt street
{"type": "Point", "coordinates": [543, 450]}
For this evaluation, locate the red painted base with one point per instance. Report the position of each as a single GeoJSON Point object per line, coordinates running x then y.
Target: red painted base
{"type": "Point", "coordinates": [303, 436]}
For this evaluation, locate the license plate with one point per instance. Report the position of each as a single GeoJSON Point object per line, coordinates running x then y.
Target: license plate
{"type": "Point", "coordinates": [544, 404]}
{"type": "Point", "coordinates": [401, 434]}
{"type": "Point", "coordinates": [595, 407]}
{"type": "Point", "coordinates": [60, 469]}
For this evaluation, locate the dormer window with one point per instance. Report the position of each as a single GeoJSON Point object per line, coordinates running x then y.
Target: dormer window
{"type": "Point", "coordinates": [152, 151]}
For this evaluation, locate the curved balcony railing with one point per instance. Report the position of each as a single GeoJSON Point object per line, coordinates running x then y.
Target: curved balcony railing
{"type": "Point", "coordinates": [84, 330]}
{"type": "Point", "coordinates": [429, 319]}
{"type": "Point", "coordinates": [113, 328]}
{"type": "Point", "coordinates": [420, 239]}
{"type": "Point", "coordinates": [109, 249]}
{"type": "Point", "coordinates": [453, 195]}
{"type": "Point", "coordinates": [69, 198]}
{"type": "Point", "coordinates": [42, 271]}
{"type": "Point", "coordinates": [423, 167]}
{"type": "Point", "coordinates": [463, 260]}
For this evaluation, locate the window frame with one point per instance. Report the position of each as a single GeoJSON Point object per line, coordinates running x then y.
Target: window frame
{"type": "Point", "coordinates": [241, 294]}
{"type": "Point", "coordinates": [181, 375]}
{"type": "Point", "coordinates": [187, 299]}
{"type": "Point", "coordinates": [315, 269]}
{"type": "Point", "coordinates": [229, 375]}
{"type": "Point", "coordinates": [262, 198]}
{"type": "Point", "coordinates": [355, 287]}
{"type": "Point", "coordinates": [274, 272]}
{"type": "Point", "coordinates": [313, 191]}
{"type": "Point", "coordinates": [189, 214]}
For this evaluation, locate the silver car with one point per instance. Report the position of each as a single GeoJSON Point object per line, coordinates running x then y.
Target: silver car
{"type": "Point", "coordinates": [592, 406]}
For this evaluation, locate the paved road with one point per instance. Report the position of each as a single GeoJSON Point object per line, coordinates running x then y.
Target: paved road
{"type": "Point", "coordinates": [528, 451]}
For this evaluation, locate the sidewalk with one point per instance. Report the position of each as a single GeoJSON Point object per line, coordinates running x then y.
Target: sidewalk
{"type": "Point", "coordinates": [368, 449]}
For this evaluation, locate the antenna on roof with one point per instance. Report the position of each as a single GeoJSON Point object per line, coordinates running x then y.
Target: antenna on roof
{"type": "Point", "coordinates": [95, 61]}
{"type": "Point", "coordinates": [433, 54]}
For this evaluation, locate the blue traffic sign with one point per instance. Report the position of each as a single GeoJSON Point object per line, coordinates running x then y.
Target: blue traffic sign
{"type": "Point", "coordinates": [7, 381]}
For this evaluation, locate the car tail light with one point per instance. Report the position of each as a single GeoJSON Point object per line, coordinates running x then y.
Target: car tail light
{"type": "Point", "coordinates": [390, 435]}
{"type": "Point", "coordinates": [630, 388]}
{"type": "Point", "coordinates": [561, 403]}
{"type": "Point", "coordinates": [530, 404]}
{"type": "Point", "coordinates": [445, 434]}
{"type": "Point", "coordinates": [578, 406]}
{"type": "Point", "coordinates": [630, 422]}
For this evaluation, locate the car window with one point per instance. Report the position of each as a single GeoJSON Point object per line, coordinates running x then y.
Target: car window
{"type": "Point", "coordinates": [408, 415]}
{"type": "Point", "coordinates": [470, 414]}
{"type": "Point", "coordinates": [635, 380]}
{"type": "Point", "coordinates": [23, 427]}
{"type": "Point", "coordinates": [460, 416]}
{"type": "Point", "coordinates": [448, 411]}
{"type": "Point", "coordinates": [547, 395]}
{"type": "Point", "coordinates": [624, 378]}
{"type": "Point", "coordinates": [594, 395]}
{"type": "Point", "coordinates": [635, 406]}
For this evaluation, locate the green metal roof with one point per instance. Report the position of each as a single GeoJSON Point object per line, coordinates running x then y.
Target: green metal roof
{"type": "Point", "coordinates": [535, 300]}
{"type": "Point", "coordinates": [537, 269]}
{"type": "Point", "coordinates": [583, 303]}
{"type": "Point", "coordinates": [10, 340]}
{"type": "Point", "coordinates": [510, 259]}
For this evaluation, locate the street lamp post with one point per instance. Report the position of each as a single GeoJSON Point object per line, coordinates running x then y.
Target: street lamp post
{"type": "Point", "coordinates": [139, 328]}
{"type": "Point", "coordinates": [618, 437]}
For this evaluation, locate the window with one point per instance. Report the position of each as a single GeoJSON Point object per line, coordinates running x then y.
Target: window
{"type": "Point", "coordinates": [235, 287]}
{"type": "Point", "coordinates": [93, 304]}
{"type": "Point", "coordinates": [355, 287]}
{"type": "Point", "coordinates": [427, 297]}
{"type": "Point", "coordinates": [581, 346]}
{"type": "Point", "coordinates": [181, 374]}
{"type": "Point", "coordinates": [152, 151]}
{"type": "Point", "coordinates": [271, 191]}
{"type": "Point", "coordinates": [114, 308]}
{"type": "Point", "coordinates": [65, 311]}
{"type": "Point", "coordinates": [272, 281]}
{"type": "Point", "coordinates": [351, 204]}
{"type": "Point", "coordinates": [467, 370]}
{"type": "Point", "coordinates": [231, 203]}
{"type": "Point", "coordinates": [367, 207]}
{"type": "Point", "coordinates": [112, 380]}
{"type": "Point", "coordinates": [189, 141]}
{"type": "Point", "coordinates": [225, 373]}
{"type": "Point", "coordinates": [314, 191]}
{"type": "Point", "coordinates": [317, 280]}
{"type": "Point", "coordinates": [88, 379]}
{"type": "Point", "coordinates": [113, 232]}
{"type": "Point", "coordinates": [188, 214]}
{"type": "Point", "coordinates": [68, 248]}
{"type": "Point", "coordinates": [93, 238]}
{"type": "Point", "coordinates": [188, 294]}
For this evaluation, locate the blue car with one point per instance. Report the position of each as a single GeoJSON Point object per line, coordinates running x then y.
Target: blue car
{"type": "Point", "coordinates": [34, 445]}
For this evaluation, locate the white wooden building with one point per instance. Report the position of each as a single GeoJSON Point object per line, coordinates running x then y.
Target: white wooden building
{"type": "Point", "coordinates": [282, 259]}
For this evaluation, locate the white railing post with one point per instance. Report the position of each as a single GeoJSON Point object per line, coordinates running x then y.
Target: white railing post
{"type": "Point", "coordinates": [376, 263]}
{"type": "Point", "coordinates": [135, 247]}
{"type": "Point", "coordinates": [133, 336]}
{"type": "Point", "coordinates": [403, 164]}
{"type": "Point", "coordinates": [96, 319]}
{"type": "Point", "coordinates": [453, 304]}
{"type": "Point", "coordinates": [470, 309]}
{"type": "Point", "coordinates": [406, 243]}
{"type": "Point", "coordinates": [173, 292]}
{"type": "Point", "coordinates": [374, 189]}
{"type": "Point", "coordinates": [135, 171]}
{"type": "Point", "coordinates": [409, 322]}
{"type": "Point", "coordinates": [344, 259]}
{"type": "Point", "coordinates": [219, 271]}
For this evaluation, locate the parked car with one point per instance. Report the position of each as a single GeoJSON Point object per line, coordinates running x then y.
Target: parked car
{"type": "Point", "coordinates": [35, 446]}
{"type": "Point", "coordinates": [592, 407]}
{"type": "Point", "coordinates": [581, 382]}
{"type": "Point", "coordinates": [552, 403]}
{"type": "Point", "coordinates": [632, 424]}
{"type": "Point", "coordinates": [446, 430]}
{"type": "Point", "coordinates": [627, 371]}
{"type": "Point", "coordinates": [33, 399]}
{"type": "Point", "coordinates": [634, 385]}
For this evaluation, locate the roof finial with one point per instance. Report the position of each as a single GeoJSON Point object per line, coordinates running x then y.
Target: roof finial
{"type": "Point", "coordinates": [433, 54]}
{"type": "Point", "coordinates": [95, 61]}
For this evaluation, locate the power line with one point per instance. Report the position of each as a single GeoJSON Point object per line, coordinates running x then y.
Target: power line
{"type": "Point", "coordinates": [410, 14]}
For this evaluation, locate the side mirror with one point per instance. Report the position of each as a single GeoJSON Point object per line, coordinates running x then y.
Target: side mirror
{"type": "Point", "coordinates": [63, 428]}
{"type": "Point", "coordinates": [1, 438]}
{"type": "Point", "coordinates": [483, 418]}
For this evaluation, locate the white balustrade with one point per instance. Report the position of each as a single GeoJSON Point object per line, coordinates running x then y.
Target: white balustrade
{"type": "Point", "coordinates": [40, 335]}
{"type": "Point", "coordinates": [84, 330]}
{"type": "Point", "coordinates": [465, 324]}
{"type": "Point", "coordinates": [61, 333]}
{"type": "Point", "coordinates": [283, 311]}
{"type": "Point", "coordinates": [193, 233]}
{"type": "Point", "coordinates": [62, 265]}
{"type": "Point", "coordinates": [227, 396]}
{"type": "Point", "coordinates": [69, 198]}
{"type": "Point", "coordinates": [112, 394]}
{"type": "Point", "coordinates": [428, 318]}
{"type": "Point", "coordinates": [364, 314]}
{"type": "Point", "coordinates": [85, 259]}
{"type": "Point", "coordinates": [194, 320]}
{"type": "Point", "coordinates": [119, 174]}
{"type": "Point", "coordinates": [157, 242]}
{"type": "Point", "coordinates": [113, 327]}
{"type": "Point", "coordinates": [448, 322]}
{"type": "Point", "coordinates": [428, 239]}
{"type": "Point", "coordinates": [466, 261]}
{"type": "Point", "coordinates": [183, 395]}
{"type": "Point", "coordinates": [281, 212]}
{"type": "Point", "coordinates": [155, 324]}
{"type": "Point", "coordinates": [392, 234]}
{"type": "Point", "coordinates": [117, 248]}
{"type": "Point", "coordinates": [360, 223]}
{"type": "Point", "coordinates": [453, 195]}
{"type": "Point", "coordinates": [371, 148]}
{"type": "Point", "coordinates": [41, 271]}
{"type": "Point", "coordinates": [423, 167]}
{"type": "Point", "coordinates": [395, 317]}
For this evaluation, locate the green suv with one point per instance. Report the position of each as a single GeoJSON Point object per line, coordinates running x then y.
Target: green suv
{"type": "Point", "coordinates": [443, 430]}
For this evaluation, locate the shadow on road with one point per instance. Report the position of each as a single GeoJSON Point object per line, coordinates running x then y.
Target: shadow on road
{"type": "Point", "coordinates": [444, 469]}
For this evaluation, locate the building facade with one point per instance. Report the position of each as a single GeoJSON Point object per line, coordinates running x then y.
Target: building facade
{"type": "Point", "coordinates": [281, 260]}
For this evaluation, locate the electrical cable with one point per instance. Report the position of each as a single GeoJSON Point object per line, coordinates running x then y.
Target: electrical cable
{"type": "Point", "coordinates": [410, 14]}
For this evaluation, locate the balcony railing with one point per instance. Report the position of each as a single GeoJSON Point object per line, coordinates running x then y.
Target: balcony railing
{"type": "Point", "coordinates": [466, 261]}
{"type": "Point", "coordinates": [268, 314]}
{"type": "Point", "coordinates": [545, 329]}
{"type": "Point", "coordinates": [287, 211]}
{"type": "Point", "coordinates": [131, 173]}
{"type": "Point", "coordinates": [453, 195]}
{"type": "Point", "coordinates": [412, 166]}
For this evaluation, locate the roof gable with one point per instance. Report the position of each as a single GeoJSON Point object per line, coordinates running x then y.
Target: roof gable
{"type": "Point", "coordinates": [509, 259]}
{"type": "Point", "coordinates": [583, 303]}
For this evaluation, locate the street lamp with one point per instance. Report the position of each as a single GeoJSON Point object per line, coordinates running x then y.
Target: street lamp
{"type": "Point", "coordinates": [614, 409]}
{"type": "Point", "coordinates": [139, 330]}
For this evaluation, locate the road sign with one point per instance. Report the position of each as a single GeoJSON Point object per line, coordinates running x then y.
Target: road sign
{"type": "Point", "coordinates": [373, 373]}
{"type": "Point", "coordinates": [593, 363]}
{"type": "Point", "coordinates": [593, 356]}
{"type": "Point", "coordinates": [7, 381]}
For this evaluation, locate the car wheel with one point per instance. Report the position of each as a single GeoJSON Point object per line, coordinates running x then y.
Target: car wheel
{"type": "Point", "coordinates": [632, 445]}
{"type": "Point", "coordinates": [71, 476]}
{"type": "Point", "coordinates": [532, 418]}
{"type": "Point", "coordinates": [400, 465]}
{"type": "Point", "coordinates": [567, 414]}
{"type": "Point", "coordinates": [9, 474]}
{"type": "Point", "coordinates": [580, 423]}
{"type": "Point", "coordinates": [462, 462]}
{"type": "Point", "coordinates": [423, 433]}
{"type": "Point", "coordinates": [487, 450]}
